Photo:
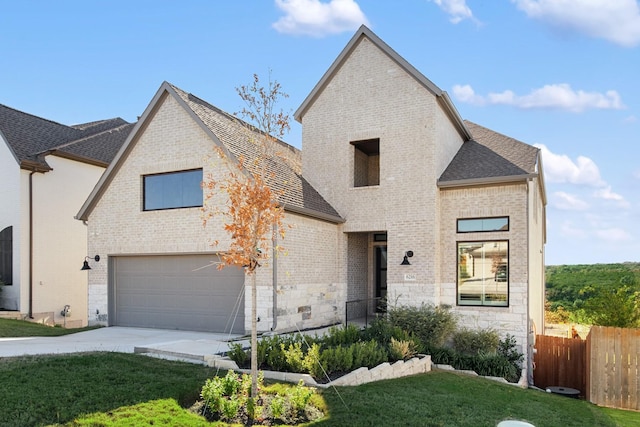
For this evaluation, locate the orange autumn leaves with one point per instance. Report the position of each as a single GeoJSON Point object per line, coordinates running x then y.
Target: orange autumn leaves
{"type": "Point", "coordinates": [252, 214]}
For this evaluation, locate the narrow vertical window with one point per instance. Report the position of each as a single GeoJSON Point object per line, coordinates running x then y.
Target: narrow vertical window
{"type": "Point", "coordinates": [366, 163]}
{"type": "Point", "coordinates": [6, 256]}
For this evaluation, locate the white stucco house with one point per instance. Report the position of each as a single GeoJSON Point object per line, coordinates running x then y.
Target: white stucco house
{"type": "Point", "coordinates": [393, 197]}
{"type": "Point", "coordinates": [47, 170]}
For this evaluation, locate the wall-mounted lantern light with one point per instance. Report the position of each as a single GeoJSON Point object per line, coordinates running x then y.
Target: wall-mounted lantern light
{"type": "Point", "coordinates": [85, 264]}
{"type": "Point", "coordinates": [405, 260]}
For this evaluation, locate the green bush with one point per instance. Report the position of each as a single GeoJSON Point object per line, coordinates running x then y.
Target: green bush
{"type": "Point", "coordinates": [338, 335]}
{"type": "Point", "coordinates": [239, 355]}
{"type": "Point", "coordinates": [467, 341]}
{"type": "Point", "coordinates": [430, 324]}
{"type": "Point", "coordinates": [368, 354]}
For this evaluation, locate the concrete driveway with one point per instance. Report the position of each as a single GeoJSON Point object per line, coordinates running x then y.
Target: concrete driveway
{"type": "Point", "coordinates": [181, 345]}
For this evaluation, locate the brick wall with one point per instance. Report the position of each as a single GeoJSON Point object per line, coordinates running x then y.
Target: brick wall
{"type": "Point", "coordinates": [308, 292]}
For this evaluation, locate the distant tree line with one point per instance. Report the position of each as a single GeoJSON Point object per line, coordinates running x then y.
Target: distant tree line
{"type": "Point", "coordinates": [597, 294]}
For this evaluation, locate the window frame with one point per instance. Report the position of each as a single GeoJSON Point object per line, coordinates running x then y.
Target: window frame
{"type": "Point", "coordinates": [185, 206]}
{"type": "Point", "coordinates": [483, 219]}
{"type": "Point", "coordinates": [507, 282]}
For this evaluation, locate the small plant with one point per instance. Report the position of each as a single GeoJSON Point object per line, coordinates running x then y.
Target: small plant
{"type": "Point", "coordinates": [401, 349]}
{"type": "Point", "coordinates": [277, 407]}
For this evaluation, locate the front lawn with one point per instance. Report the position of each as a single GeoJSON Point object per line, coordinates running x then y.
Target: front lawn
{"type": "Point", "coordinates": [22, 328]}
{"type": "Point", "coordinates": [59, 389]}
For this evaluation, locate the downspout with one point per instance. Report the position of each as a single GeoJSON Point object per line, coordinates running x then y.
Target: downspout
{"type": "Point", "coordinates": [530, 345]}
{"type": "Point", "coordinates": [31, 243]}
{"type": "Point", "coordinates": [275, 277]}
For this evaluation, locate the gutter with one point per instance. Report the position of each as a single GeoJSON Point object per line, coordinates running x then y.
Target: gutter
{"type": "Point", "coordinates": [486, 181]}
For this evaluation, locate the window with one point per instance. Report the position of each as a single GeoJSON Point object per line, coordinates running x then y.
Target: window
{"type": "Point", "coordinates": [6, 255]}
{"type": "Point", "coordinates": [173, 190]}
{"type": "Point", "coordinates": [366, 165]}
{"type": "Point", "coordinates": [483, 224]}
{"type": "Point", "coordinates": [483, 273]}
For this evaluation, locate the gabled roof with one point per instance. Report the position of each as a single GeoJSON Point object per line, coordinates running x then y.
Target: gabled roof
{"type": "Point", "coordinates": [30, 138]}
{"type": "Point", "coordinates": [234, 136]}
{"type": "Point", "coordinates": [490, 157]}
{"type": "Point", "coordinates": [365, 32]}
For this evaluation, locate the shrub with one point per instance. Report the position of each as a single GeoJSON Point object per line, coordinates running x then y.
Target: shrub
{"type": "Point", "coordinates": [401, 349]}
{"type": "Point", "coordinates": [368, 354]}
{"type": "Point", "coordinates": [294, 356]}
{"type": "Point", "coordinates": [239, 355]}
{"type": "Point", "coordinates": [338, 335]}
{"type": "Point", "coordinates": [430, 324]}
{"type": "Point", "coordinates": [467, 341]}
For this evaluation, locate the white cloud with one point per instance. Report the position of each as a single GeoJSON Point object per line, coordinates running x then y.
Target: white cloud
{"type": "Point", "coordinates": [559, 168]}
{"type": "Point", "coordinates": [456, 9]}
{"type": "Point", "coordinates": [568, 202]}
{"type": "Point", "coordinates": [617, 21]}
{"type": "Point", "coordinates": [318, 19]}
{"type": "Point", "coordinates": [554, 96]}
{"type": "Point", "coordinates": [636, 174]}
{"type": "Point", "coordinates": [606, 194]}
{"type": "Point", "coordinates": [630, 119]}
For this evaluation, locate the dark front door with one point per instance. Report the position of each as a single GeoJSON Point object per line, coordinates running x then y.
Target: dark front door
{"type": "Point", "coordinates": [381, 277]}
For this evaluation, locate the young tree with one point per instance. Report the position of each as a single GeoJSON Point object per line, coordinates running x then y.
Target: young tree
{"type": "Point", "coordinates": [618, 308]}
{"type": "Point", "coordinates": [252, 215]}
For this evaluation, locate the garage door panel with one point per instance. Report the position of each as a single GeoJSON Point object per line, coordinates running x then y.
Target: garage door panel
{"type": "Point", "coordinates": [176, 292]}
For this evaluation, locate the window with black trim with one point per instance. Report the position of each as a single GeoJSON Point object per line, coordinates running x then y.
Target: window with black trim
{"type": "Point", "coordinates": [472, 225]}
{"type": "Point", "coordinates": [6, 256]}
{"type": "Point", "coordinates": [172, 190]}
{"type": "Point", "coordinates": [483, 273]}
{"type": "Point", "coordinates": [366, 164]}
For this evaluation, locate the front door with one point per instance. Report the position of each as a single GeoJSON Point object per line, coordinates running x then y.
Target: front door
{"type": "Point", "coordinates": [381, 277]}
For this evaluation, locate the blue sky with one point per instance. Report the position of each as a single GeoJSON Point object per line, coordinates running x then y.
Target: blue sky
{"type": "Point", "coordinates": [558, 74]}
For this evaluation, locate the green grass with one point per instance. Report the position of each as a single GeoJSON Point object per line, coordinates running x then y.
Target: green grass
{"type": "Point", "coordinates": [129, 390]}
{"type": "Point", "coordinates": [22, 328]}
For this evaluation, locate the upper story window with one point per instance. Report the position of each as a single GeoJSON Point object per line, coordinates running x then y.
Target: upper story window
{"type": "Point", "coordinates": [366, 164]}
{"type": "Point", "coordinates": [6, 255]}
{"type": "Point", "coordinates": [483, 224]}
{"type": "Point", "coordinates": [172, 190]}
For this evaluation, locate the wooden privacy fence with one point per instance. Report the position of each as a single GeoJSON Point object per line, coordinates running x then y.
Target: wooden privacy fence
{"type": "Point", "coordinates": [605, 367]}
{"type": "Point", "coordinates": [613, 367]}
{"type": "Point", "coordinates": [560, 362]}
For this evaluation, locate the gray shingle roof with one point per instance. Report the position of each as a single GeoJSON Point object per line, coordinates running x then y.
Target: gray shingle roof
{"type": "Point", "coordinates": [29, 137]}
{"type": "Point", "coordinates": [490, 155]}
{"type": "Point", "coordinates": [283, 167]}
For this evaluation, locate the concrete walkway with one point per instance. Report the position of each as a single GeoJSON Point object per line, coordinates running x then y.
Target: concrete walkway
{"type": "Point", "coordinates": [182, 345]}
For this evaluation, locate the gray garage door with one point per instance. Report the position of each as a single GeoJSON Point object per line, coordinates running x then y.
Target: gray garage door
{"type": "Point", "coordinates": [176, 292]}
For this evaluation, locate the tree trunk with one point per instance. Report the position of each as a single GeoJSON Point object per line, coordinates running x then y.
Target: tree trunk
{"type": "Point", "coordinates": [254, 339]}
